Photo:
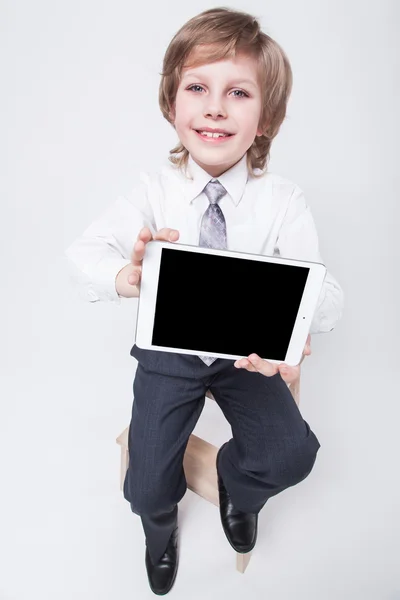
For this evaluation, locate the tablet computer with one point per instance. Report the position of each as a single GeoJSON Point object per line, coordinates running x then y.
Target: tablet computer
{"type": "Point", "coordinates": [226, 304]}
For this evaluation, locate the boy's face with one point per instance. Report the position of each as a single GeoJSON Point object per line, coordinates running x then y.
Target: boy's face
{"type": "Point", "coordinates": [220, 95]}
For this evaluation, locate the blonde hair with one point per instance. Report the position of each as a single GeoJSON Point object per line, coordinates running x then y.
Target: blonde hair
{"type": "Point", "coordinates": [222, 33]}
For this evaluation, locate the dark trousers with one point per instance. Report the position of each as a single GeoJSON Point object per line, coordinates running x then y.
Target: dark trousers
{"type": "Point", "coordinates": [272, 447]}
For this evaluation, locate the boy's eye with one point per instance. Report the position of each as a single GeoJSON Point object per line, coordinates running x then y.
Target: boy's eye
{"type": "Point", "coordinates": [201, 87]}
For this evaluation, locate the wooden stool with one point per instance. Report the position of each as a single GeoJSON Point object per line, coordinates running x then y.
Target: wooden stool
{"type": "Point", "coordinates": [199, 464]}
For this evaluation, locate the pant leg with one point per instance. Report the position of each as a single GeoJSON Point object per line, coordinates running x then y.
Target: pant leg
{"type": "Point", "coordinates": [164, 413]}
{"type": "Point", "coordinates": [272, 447]}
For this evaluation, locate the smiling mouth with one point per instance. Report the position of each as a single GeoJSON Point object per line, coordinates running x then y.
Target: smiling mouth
{"type": "Point", "coordinates": [212, 136]}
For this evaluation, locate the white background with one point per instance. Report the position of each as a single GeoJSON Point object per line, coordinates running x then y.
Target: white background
{"type": "Point", "coordinates": [79, 120]}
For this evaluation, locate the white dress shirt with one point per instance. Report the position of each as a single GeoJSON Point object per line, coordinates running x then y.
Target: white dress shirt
{"type": "Point", "coordinates": [267, 216]}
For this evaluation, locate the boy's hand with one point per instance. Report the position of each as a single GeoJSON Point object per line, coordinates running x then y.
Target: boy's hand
{"type": "Point", "coordinates": [144, 237]}
{"type": "Point", "coordinates": [256, 364]}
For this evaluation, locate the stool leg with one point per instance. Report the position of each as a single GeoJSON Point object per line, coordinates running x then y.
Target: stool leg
{"type": "Point", "coordinates": [242, 560]}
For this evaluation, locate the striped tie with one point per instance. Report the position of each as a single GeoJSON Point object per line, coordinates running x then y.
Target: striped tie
{"type": "Point", "coordinates": [213, 228]}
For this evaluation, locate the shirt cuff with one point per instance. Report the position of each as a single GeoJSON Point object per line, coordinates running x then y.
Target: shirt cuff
{"type": "Point", "coordinates": [103, 286]}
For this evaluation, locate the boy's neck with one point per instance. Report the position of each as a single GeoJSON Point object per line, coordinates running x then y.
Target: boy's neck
{"type": "Point", "coordinates": [215, 170]}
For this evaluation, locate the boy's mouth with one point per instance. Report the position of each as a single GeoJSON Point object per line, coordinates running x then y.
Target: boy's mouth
{"type": "Point", "coordinates": [207, 136]}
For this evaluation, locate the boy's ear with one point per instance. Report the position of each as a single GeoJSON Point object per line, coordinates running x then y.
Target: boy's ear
{"type": "Point", "coordinates": [172, 113]}
{"type": "Point", "coordinates": [261, 130]}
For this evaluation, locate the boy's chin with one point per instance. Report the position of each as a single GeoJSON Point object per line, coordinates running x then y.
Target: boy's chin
{"type": "Point", "coordinates": [214, 154]}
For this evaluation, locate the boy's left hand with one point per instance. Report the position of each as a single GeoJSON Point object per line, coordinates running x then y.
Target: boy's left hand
{"type": "Point", "coordinates": [256, 364]}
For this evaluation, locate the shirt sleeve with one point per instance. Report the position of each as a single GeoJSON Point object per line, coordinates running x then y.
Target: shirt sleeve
{"type": "Point", "coordinates": [95, 258]}
{"type": "Point", "coordinates": [298, 239]}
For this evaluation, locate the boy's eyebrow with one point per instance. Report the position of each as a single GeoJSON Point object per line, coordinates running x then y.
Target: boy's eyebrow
{"type": "Point", "coordinates": [234, 81]}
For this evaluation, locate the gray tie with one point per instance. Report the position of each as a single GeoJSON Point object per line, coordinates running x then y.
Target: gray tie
{"type": "Point", "coordinates": [213, 228]}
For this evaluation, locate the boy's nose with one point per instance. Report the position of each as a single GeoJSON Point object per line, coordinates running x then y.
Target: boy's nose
{"type": "Point", "coordinates": [215, 109]}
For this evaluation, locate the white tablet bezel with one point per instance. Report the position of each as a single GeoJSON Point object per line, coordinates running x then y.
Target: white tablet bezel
{"type": "Point", "coordinates": [148, 295]}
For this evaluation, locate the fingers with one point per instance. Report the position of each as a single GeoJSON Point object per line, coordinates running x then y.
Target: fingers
{"type": "Point", "coordinates": [145, 236]}
{"type": "Point", "coordinates": [166, 234]}
{"type": "Point", "coordinates": [263, 366]}
{"type": "Point", "coordinates": [243, 363]}
{"type": "Point", "coordinates": [289, 374]}
{"type": "Point", "coordinates": [134, 278]}
{"type": "Point", "coordinates": [256, 364]}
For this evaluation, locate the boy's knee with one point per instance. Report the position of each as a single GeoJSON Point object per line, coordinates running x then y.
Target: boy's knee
{"type": "Point", "coordinates": [290, 466]}
{"type": "Point", "coordinates": [298, 460]}
{"type": "Point", "coordinates": [299, 463]}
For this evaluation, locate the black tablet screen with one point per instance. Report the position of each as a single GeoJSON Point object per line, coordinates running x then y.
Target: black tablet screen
{"type": "Point", "coordinates": [226, 305]}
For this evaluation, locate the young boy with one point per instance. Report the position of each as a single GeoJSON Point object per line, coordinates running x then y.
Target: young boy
{"type": "Point", "coordinates": [220, 74]}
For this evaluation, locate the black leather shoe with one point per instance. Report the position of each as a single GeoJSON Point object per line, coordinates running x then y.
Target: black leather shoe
{"type": "Point", "coordinates": [240, 528]}
{"type": "Point", "coordinates": [162, 575]}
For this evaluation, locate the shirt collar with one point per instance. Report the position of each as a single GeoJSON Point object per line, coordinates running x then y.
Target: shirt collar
{"type": "Point", "coordinates": [234, 180]}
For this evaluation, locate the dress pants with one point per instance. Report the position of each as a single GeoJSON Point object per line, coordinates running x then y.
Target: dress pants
{"type": "Point", "coordinates": [272, 446]}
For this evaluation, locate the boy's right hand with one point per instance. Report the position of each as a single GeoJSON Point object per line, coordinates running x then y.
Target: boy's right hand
{"type": "Point", "coordinates": [145, 236]}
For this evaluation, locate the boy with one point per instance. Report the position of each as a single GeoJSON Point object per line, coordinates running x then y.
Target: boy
{"type": "Point", "coordinates": [224, 88]}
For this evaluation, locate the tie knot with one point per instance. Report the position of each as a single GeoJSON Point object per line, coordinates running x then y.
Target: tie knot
{"type": "Point", "coordinates": [214, 191]}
